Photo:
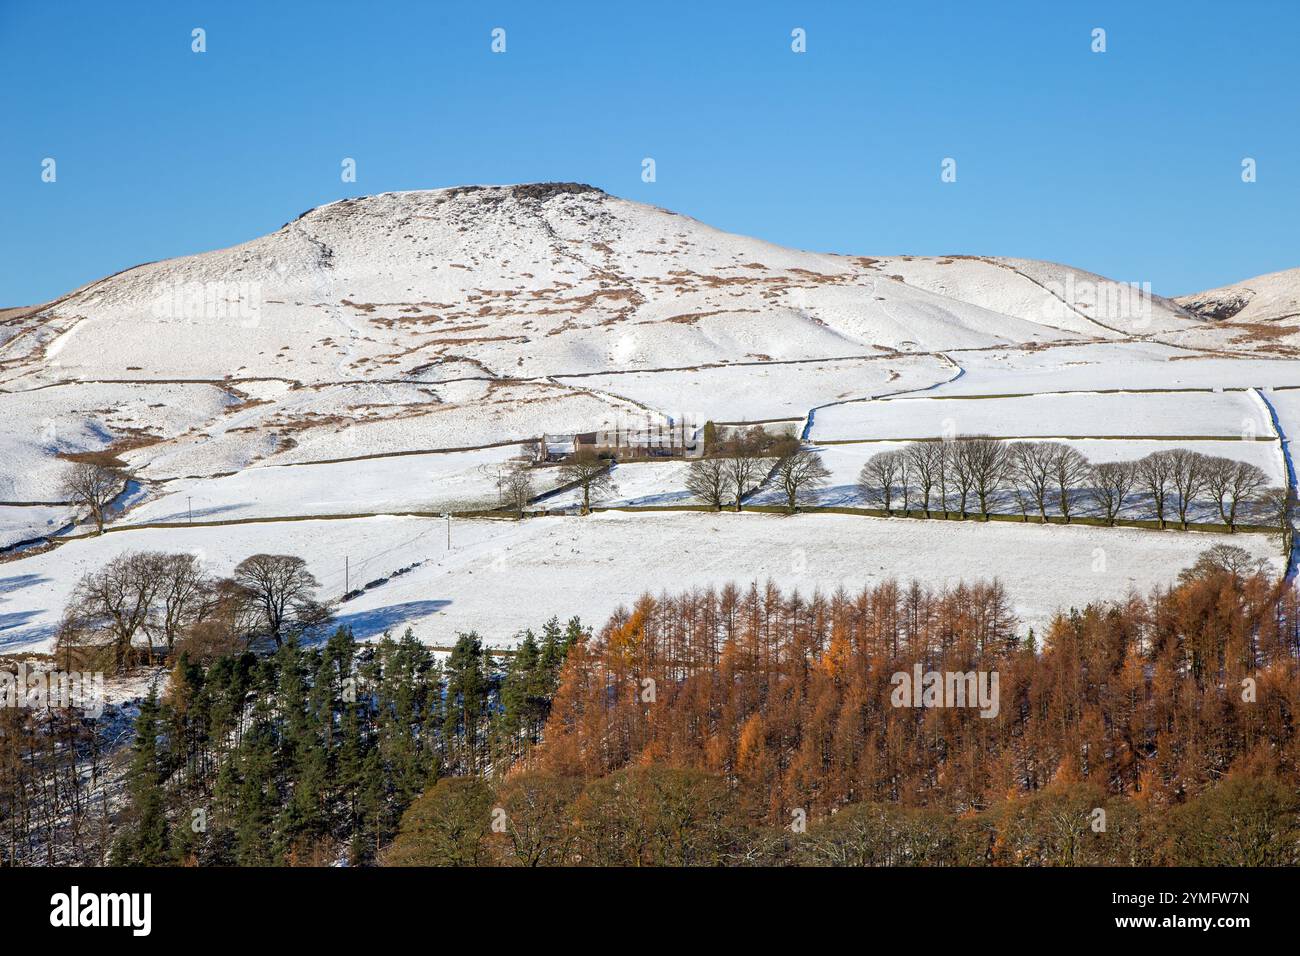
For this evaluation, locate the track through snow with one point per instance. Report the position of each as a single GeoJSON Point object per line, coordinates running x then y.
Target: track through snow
{"type": "Point", "coordinates": [324, 286]}
{"type": "Point", "coordinates": [806, 433]}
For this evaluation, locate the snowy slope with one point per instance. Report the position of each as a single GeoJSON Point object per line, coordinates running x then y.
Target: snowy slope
{"type": "Point", "coordinates": [501, 576]}
{"type": "Point", "coordinates": [1268, 298]}
{"type": "Point", "coordinates": [1075, 414]}
{"type": "Point", "coordinates": [1111, 365]}
{"type": "Point", "coordinates": [386, 354]}
{"type": "Point", "coordinates": [524, 280]}
{"type": "Point", "coordinates": [1075, 301]}
{"type": "Point", "coordinates": [390, 323]}
{"type": "Point", "coordinates": [458, 481]}
{"type": "Point", "coordinates": [24, 523]}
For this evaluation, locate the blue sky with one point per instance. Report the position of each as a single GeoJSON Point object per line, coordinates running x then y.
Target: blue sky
{"type": "Point", "coordinates": [1127, 162]}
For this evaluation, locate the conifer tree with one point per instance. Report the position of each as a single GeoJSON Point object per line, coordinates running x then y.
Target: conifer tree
{"type": "Point", "coordinates": [147, 841]}
{"type": "Point", "coordinates": [575, 632]}
{"type": "Point", "coordinates": [466, 700]}
{"type": "Point", "coordinates": [257, 796]}
{"type": "Point", "coordinates": [518, 686]}
{"type": "Point", "coordinates": [350, 773]}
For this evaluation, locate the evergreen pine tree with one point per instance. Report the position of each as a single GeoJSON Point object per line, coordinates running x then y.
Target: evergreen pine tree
{"type": "Point", "coordinates": [258, 794]}
{"type": "Point", "coordinates": [466, 700]}
{"type": "Point", "coordinates": [147, 841]}
{"type": "Point", "coordinates": [574, 633]}
{"type": "Point", "coordinates": [514, 689]}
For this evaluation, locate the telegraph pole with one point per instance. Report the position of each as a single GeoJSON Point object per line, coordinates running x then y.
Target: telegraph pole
{"type": "Point", "coordinates": [190, 507]}
{"type": "Point", "coordinates": [347, 569]}
{"type": "Point", "coordinates": [447, 515]}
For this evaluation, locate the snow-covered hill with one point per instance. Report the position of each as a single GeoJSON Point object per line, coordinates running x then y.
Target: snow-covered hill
{"type": "Point", "coordinates": [532, 280]}
{"type": "Point", "coordinates": [1268, 298]}
{"type": "Point", "coordinates": [388, 354]}
{"type": "Point", "coordinates": [471, 316]}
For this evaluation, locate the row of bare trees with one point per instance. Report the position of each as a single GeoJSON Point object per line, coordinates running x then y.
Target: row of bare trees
{"type": "Point", "coordinates": [736, 467]}
{"type": "Point", "coordinates": [981, 474]}
{"type": "Point", "coordinates": [585, 471]}
{"type": "Point", "coordinates": [157, 598]}
{"type": "Point", "coordinates": [730, 470]}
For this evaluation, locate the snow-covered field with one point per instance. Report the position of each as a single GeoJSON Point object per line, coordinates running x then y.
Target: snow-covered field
{"type": "Point", "coordinates": [1087, 414]}
{"type": "Point", "coordinates": [388, 354]}
{"type": "Point", "coordinates": [328, 423]}
{"type": "Point", "coordinates": [36, 425]}
{"type": "Point", "coordinates": [458, 481]}
{"type": "Point", "coordinates": [638, 483]}
{"type": "Point", "coordinates": [1286, 403]}
{"type": "Point", "coordinates": [503, 575]}
{"type": "Point", "coordinates": [1110, 365]}
{"type": "Point", "coordinates": [749, 393]}
{"type": "Point", "coordinates": [22, 523]}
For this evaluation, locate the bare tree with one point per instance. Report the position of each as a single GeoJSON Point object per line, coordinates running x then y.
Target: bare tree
{"type": "Point", "coordinates": [924, 465]}
{"type": "Point", "coordinates": [1279, 508]}
{"type": "Point", "coordinates": [799, 473]}
{"type": "Point", "coordinates": [1232, 484]}
{"type": "Point", "coordinates": [1031, 469]}
{"type": "Point", "coordinates": [905, 480]}
{"type": "Point", "coordinates": [284, 593]}
{"type": "Point", "coordinates": [117, 600]}
{"type": "Point", "coordinates": [515, 487]}
{"type": "Point", "coordinates": [1109, 485]}
{"type": "Point", "coordinates": [184, 595]}
{"type": "Point", "coordinates": [1223, 559]}
{"type": "Point", "coordinates": [589, 472]}
{"type": "Point", "coordinates": [746, 462]}
{"type": "Point", "coordinates": [534, 451]}
{"type": "Point", "coordinates": [707, 479]}
{"type": "Point", "coordinates": [985, 460]}
{"type": "Point", "coordinates": [1155, 474]}
{"type": "Point", "coordinates": [879, 477]}
{"type": "Point", "coordinates": [777, 446]}
{"type": "Point", "coordinates": [94, 486]}
{"type": "Point", "coordinates": [943, 463]}
{"type": "Point", "coordinates": [1248, 484]}
{"type": "Point", "coordinates": [960, 474]}
{"type": "Point", "coordinates": [1021, 495]}
{"type": "Point", "coordinates": [1069, 472]}
{"type": "Point", "coordinates": [1187, 472]}
{"type": "Point", "coordinates": [229, 619]}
